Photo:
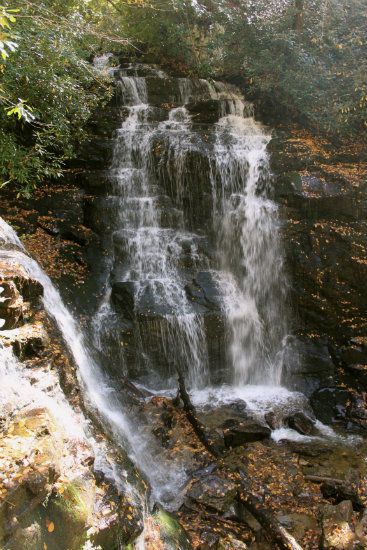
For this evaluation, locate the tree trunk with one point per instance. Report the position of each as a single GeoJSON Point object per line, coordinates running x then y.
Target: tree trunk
{"type": "Point", "coordinates": [298, 18]}
{"type": "Point", "coordinates": [192, 417]}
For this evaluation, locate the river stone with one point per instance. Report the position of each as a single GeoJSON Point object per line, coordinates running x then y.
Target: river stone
{"type": "Point", "coordinates": [238, 433]}
{"type": "Point", "coordinates": [300, 422]}
{"type": "Point", "coordinates": [272, 420]}
{"type": "Point", "coordinates": [337, 533]}
{"type": "Point", "coordinates": [213, 491]}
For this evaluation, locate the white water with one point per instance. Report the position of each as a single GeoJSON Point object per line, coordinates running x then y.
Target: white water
{"type": "Point", "coordinates": [99, 392]}
{"type": "Point", "coordinates": [150, 233]}
{"type": "Point", "coordinates": [150, 236]}
{"type": "Point", "coordinates": [246, 267]}
{"type": "Point", "coordinates": [8, 235]}
{"type": "Point", "coordinates": [152, 252]}
{"type": "Point", "coordinates": [252, 279]}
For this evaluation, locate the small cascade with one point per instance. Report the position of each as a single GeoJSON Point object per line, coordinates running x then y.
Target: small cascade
{"type": "Point", "coordinates": [151, 250]}
{"type": "Point", "coordinates": [99, 390]}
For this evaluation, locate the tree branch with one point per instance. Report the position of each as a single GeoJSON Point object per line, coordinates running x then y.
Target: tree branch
{"type": "Point", "coordinates": [191, 415]}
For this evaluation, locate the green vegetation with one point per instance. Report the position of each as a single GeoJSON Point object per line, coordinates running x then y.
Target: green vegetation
{"type": "Point", "coordinates": [48, 88]}
{"type": "Point", "coordinates": [304, 59]}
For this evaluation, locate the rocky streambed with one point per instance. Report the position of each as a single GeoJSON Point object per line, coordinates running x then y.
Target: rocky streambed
{"type": "Point", "coordinates": [57, 491]}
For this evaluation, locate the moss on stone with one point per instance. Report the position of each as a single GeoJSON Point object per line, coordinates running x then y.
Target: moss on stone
{"type": "Point", "coordinates": [171, 531]}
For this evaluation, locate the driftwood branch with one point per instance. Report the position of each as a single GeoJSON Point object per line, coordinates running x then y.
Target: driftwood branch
{"type": "Point", "coordinates": [281, 537]}
{"type": "Point", "coordinates": [324, 479]}
{"type": "Point", "coordinates": [192, 417]}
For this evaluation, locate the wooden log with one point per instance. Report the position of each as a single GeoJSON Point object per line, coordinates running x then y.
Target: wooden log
{"type": "Point", "coordinates": [277, 532]}
{"type": "Point", "coordinates": [324, 479]}
{"type": "Point", "coordinates": [192, 417]}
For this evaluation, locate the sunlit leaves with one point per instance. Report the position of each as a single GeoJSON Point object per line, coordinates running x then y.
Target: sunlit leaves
{"type": "Point", "coordinates": [22, 110]}
{"type": "Point", "coordinates": [50, 69]}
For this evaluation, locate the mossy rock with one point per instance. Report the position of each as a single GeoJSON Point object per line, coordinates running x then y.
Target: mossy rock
{"type": "Point", "coordinates": [70, 514]}
{"type": "Point", "coordinates": [171, 532]}
{"type": "Point", "coordinates": [29, 538]}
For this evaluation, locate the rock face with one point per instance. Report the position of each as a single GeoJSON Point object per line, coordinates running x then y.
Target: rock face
{"type": "Point", "coordinates": [321, 197]}
{"type": "Point", "coordinates": [323, 200]}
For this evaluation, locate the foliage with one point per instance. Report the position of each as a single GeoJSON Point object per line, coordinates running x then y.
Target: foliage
{"type": "Point", "coordinates": [48, 89]}
{"type": "Point", "coordinates": [309, 58]}
{"type": "Point", "coordinates": [319, 73]}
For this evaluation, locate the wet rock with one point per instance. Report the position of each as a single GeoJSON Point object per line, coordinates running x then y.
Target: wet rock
{"type": "Point", "coordinates": [164, 530]}
{"type": "Point", "coordinates": [232, 544]}
{"type": "Point", "coordinates": [354, 355]}
{"type": "Point", "coordinates": [354, 489]}
{"type": "Point", "coordinates": [203, 292]}
{"type": "Point", "coordinates": [26, 537]}
{"type": "Point", "coordinates": [209, 110]}
{"type": "Point", "coordinates": [329, 404]}
{"type": "Point", "coordinates": [73, 506]}
{"type": "Point", "coordinates": [210, 540]}
{"type": "Point", "coordinates": [272, 420]}
{"type": "Point", "coordinates": [163, 91]}
{"type": "Point", "coordinates": [18, 293]}
{"type": "Point", "coordinates": [29, 341]}
{"type": "Point", "coordinates": [134, 393]}
{"type": "Point", "coordinates": [214, 492]}
{"type": "Point", "coordinates": [309, 449]}
{"type": "Point", "coordinates": [238, 433]}
{"type": "Point", "coordinates": [361, 529]}
{"type": "Point", "coordinates": [11, 305]}
{"type": "Point", "coordinates": [337, 532]}
{"type": "Point", "coordinates": [300, 422]}
{"type": "Point", "coordinates": [122, 297]}
{"type": "Point", "coordinates": [303, 523]}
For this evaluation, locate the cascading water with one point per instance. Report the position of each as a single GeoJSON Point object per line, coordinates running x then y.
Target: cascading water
{"type": "Point", "coordinates": [99, 391]}
{"type": "Point", "coordinates": [190, 204]}
{"type": "Point", "coordinates": [150, 250]}
{"type": "Point", "coordinates": [195, 275]}
{"type": "Point", "coordinates": [250, 256]}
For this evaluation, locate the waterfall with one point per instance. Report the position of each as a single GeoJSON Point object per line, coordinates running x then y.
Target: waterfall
{"type": "Point", "coordinates": [194, 270]}
{"type": "Point", "coordinates": [151, 251]}
{"type": "Point", "coordinates": [189, 210]}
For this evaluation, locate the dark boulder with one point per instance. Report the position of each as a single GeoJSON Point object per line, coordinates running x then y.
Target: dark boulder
{"type": "Point", "coordinates": [300, 422]}
{"type": "Point", "coordinates": [122, 297]}
{"type": "Point", "coordinates": [238, 433]}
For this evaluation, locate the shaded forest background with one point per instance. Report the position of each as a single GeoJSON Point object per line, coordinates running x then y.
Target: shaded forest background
{"type": "Point", "coordinates": [300, 60]}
